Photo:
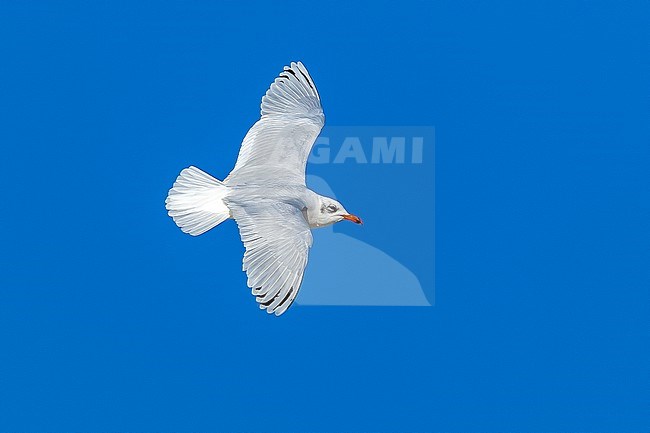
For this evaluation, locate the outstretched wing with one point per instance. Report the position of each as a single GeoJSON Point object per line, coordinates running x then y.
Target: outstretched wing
{"type": "Point", "coordinates": [277, 241]}
{"type": "Point", "coordinates": [278, 145]}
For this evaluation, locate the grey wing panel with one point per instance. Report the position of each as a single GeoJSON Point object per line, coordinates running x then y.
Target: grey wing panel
{"type": "Point", "coordinates": [277, 239]}
{"type": "Point", "coordinates": [278, 145]}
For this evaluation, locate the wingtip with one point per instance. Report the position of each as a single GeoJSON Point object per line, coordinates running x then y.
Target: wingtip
{"type": "Point", "coordinates": [297, 64]}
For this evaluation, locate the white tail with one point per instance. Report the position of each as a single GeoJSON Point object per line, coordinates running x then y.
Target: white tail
{"type": "Point", "coordinates": [195, 202]}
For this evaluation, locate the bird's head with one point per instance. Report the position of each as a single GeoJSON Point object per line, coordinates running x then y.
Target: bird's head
{"type": "Point", "coordinates": [331, 211]}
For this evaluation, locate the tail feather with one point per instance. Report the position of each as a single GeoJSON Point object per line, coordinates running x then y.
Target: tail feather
{"type": "Point", "coordinates": [195, 202]}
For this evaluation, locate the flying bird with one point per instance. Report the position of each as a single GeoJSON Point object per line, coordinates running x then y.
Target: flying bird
{"type": "Point", "coordinates": [265, 193]}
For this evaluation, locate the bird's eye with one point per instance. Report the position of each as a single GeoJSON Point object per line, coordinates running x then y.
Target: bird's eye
{"type": "Point", "coordinates": [332, 208]}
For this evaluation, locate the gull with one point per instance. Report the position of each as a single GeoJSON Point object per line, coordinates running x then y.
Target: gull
{"type": "Point", "coordinates": [265, 193]}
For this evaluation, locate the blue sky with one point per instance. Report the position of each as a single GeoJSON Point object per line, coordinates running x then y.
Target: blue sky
{"type": "Point", "coordinates": [111, 319]}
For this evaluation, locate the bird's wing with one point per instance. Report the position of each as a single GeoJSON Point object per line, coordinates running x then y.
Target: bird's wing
{"type": "Point", "coordinates": [277, 241]}
{"type": "Point", "coordinates": [278, 145]}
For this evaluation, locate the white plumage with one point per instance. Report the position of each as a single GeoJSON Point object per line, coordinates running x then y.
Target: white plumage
{"type": "Point", "coordinates": [265, 192]}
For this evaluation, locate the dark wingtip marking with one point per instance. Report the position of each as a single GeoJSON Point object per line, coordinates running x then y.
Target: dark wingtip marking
{"type": "Point", "coordinates": [285, 298]}
{"type": "Point", "coordinates": [267, 303]}
{"type": "Point", "coordinates": [307, 78]}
